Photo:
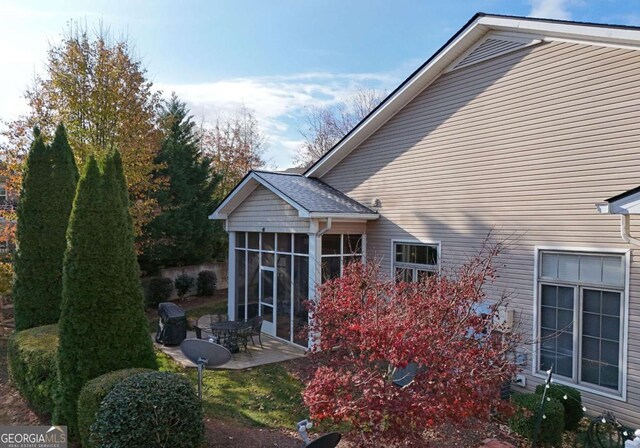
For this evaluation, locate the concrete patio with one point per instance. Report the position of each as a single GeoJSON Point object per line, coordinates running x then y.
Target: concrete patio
{"type": "Point", "coordinates": [273, 351]}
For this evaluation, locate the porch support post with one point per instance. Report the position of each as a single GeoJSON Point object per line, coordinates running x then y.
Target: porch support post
{"type": "Point", "coordinates": [231, 277]}
{"type": "Point", "coordinates": [315, 266]}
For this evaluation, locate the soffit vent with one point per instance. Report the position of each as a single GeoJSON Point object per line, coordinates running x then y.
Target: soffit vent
{"type": "Point", "coordinates": [492, 46]}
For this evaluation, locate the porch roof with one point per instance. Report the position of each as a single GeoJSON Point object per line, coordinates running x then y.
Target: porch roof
{"type": "Point", "coordinates": [626, 203]}
{"type": "Point", "coordinates": [311, 197]}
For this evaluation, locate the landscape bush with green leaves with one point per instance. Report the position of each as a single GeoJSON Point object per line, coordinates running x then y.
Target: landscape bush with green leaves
{"type": "Point", "coordinates": [523, 421]}
{"type": "Point", "coordinates": [150, 410]}
{"type": "Point", "coordinates": [183, 284]}
{"type": "Point", "coordinates": [91, 397]}
{"type": "Point", "coordinates": [48, 189]}
{"type": "Point", "coordinates": [570, 399]}
{"type": "Point", "coordinates": [32, 357]}
{"type": "Point", "coordinates": [102, 326]}
{"type": "Point", "coordinates": [207, 282]}
{"type": "Point", "coordinates": [157, 290]}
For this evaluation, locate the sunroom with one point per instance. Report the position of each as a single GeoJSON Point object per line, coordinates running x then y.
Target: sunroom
{"type": "Point", "coordinates": [287, 233]}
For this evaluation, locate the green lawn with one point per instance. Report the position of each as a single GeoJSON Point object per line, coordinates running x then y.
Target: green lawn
{"type": "Point", "coordinates": [267, 396]}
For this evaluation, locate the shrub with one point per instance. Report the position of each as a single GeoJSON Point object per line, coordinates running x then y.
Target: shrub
{"type": "Point", "coordinates": [207, 282]}
{"type": "Point", "coordinates": [183, 284]}
{"type": "Point", "coordinates": [150, 410]}
{"type": "Point", "coordinates": [48, 188]}
{"type": "Point", "coordinates": [523, 422]}
{"type": "Point", "coordinates": [573, 412]}
{"type": "Point", "coordinates": [102, 325]}
{"type": "Point", "coordinates": [91, 397]}
{"type": "Point", "coordinates": [32, 362]}
{"type": "Point", "coordinates": [159, 289]}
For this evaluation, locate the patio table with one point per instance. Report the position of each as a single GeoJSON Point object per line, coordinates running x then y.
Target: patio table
{"type": "Point", "coordinates": [227, 334]}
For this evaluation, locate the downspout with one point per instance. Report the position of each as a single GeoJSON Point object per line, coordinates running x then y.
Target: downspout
{"type": "Point", "coordinates": [625, 233]}
{"type": "Point", "coordinates": [327, 227]}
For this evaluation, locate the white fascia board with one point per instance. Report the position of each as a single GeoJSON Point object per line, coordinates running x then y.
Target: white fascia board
{"type": "Point", "coordinates": [603, 207]}
{"type": "Point", "coordinates": [239, 194]}
{"type": "Point", "coordinates": [629, 205]}
{"type": "Point", "coordinates": [418, 82]}
{"type": "Point", "coordinates": [242, 192]}
{"type": "Point", "coordinates": [346, 216]}
{"type": "Point", "coordinates": [598, 33]}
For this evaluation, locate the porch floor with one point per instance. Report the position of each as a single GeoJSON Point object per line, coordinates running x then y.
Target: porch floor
{"type": "Point", "coordinates": [274, 351]}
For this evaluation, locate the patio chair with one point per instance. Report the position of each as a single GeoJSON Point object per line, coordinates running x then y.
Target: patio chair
{"type": "Point", "coordinates": [202, 327]}
{"type": "Point", "coordinates": [256, 329]}
{"type": "Point", "coordinates": [244, 334]}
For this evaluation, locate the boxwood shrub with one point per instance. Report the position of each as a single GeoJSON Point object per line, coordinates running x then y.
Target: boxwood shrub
{"type": "Point", "coordinates": [207, 282]}
{"type": "Point", "coordinates": [523, 421]}
{"type": "Point", "coordinates": [183, 284]}
{"type": "Point", "coordinates": [91, 397]}
{"type": "Point", "coordinates": [573, 412]}
{"type": "Point", "coordinates": [149, 410]}
{"type": "Point", "coordinates": [33, 365]}
{"type": "Point", "coordinates": [157, 290]}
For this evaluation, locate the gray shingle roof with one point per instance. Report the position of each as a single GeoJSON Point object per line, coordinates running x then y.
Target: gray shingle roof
{"type": "Point", "coordinates": [312, 194]}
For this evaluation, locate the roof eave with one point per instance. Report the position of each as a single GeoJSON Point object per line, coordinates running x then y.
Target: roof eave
{"type": "Point", "coordinates": [478, 26]}
{"type": "Point", "coordinates": [346, 216]}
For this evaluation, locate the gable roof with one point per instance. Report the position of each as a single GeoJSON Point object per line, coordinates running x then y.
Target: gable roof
{"type": "Point", "coordinates": [455, 50]}
{"type": "Point", "coordinates": [311, 197]}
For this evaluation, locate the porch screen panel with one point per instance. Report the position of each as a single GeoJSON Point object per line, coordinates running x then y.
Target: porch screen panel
{"type": "Point", "coordinates": [253, 289]}
{"type": "Point", "coordinates": [300, 295]}
{"type": "Point", "coordinates": [240, 284]}
{"type": "Point", "coordinates": [283, 327]}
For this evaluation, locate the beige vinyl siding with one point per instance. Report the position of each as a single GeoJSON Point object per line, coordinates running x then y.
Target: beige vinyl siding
{"type": "Point", "coordinates": [524, 145]}
{"type": "Point", "coordinates": [265, 210]}
{"type": "Point", "coordinates": [347, 227]}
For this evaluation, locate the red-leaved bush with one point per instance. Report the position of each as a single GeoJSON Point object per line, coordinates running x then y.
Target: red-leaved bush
{"type": "Point", "coordinates": [366, 328]}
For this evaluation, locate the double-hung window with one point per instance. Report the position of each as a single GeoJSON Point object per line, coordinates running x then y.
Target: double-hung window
{"type": "Point", "coordinates": [580, 306]}
{"type": "Point", "coordinates": [413, 261]}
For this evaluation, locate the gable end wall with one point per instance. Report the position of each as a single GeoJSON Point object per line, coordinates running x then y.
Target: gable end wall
{"type": "Point", "coordinates": [524, 144]}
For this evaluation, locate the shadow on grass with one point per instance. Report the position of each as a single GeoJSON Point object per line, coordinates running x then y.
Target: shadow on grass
{"type": "Point", "coordinates": [265, 396]}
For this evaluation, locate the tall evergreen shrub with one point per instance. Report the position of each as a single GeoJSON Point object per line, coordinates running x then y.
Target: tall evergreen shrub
{"type": "Point", "coordinates": [102, 327]}
{"type": "Point", "coordinates": [47, 194]}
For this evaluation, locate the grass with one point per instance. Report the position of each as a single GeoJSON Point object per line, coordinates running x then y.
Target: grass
{"type": "Point", "coordinates": [264, 396]}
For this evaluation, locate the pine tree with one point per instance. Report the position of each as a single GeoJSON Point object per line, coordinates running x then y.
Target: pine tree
{"type": "Point", "coordinates": [182, 234]}
{"type": "Point", "coordinates": [43, 215]}
{"type": "Point", "coordinates": [102, 327]}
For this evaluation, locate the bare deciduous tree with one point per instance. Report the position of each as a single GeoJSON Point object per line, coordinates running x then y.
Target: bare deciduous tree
{"type": "Point", "coordinates": [325, 126]}
{"type": "Point", "coordinates": [236, 145]}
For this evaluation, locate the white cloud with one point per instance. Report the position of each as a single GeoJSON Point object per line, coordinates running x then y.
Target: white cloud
{"type": "Point", "coordinates": [279, 102]}
{"type": "Point", "coordinates": [551, 9]}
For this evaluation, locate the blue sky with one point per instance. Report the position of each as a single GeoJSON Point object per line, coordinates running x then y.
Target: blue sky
{"type": "Point", "coordinates": [278, 57]}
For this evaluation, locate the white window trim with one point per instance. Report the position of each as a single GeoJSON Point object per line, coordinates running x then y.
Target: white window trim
{"type": "Point", "coordinates": [625, 319]}
{"type": "Point", "coordinates": [438, 245]}
{"type": "Point", "coordinates": [342, 255]}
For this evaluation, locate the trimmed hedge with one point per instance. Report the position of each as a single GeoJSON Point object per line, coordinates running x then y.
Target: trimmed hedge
{"type": "Point", "coordinates": [158, 290]}
{"type": "Point", "coordinates": [523, 422]}
{"type": "Point", "coordinates": [573, 412]}
{"type": "Point", "coordinates": [207, 282]}
{"type": "Point", "coordinates": [183, 284]}
{"type": "Point", "coordinates": [91, 397]}
{"type": "Point", "coordinates": [150, 410]}
{"type": "Point", "coordinates": [33, 367]}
